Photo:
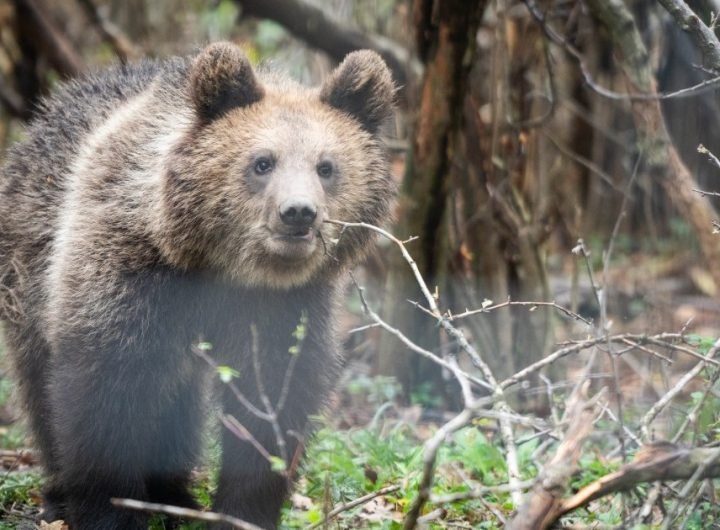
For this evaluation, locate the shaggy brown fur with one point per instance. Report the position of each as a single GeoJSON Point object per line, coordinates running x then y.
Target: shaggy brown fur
{"type": "Point", "coordinates": [157, 205]}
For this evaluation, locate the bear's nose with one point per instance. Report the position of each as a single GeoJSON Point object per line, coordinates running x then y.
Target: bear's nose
{"type": "Point", "coordinates": [298, 212]}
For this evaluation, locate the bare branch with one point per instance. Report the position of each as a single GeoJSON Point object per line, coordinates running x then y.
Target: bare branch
{"type": "Point", "coordinates": [705, 151]}
{"type": "Point", "coordinates": [233, 387]}
{"type": "Point", "coordinates": [664, 158]}
{"type": "Point", "coordinates": [577, 56]}
{"type": "Point", "coordinates": [531, 305]}
{"type": "Point", "coordinates": [353, 504]}
{"type": "Point", "coordinates": [178, 511]}
{"type": "Point", "coordinates": [500, 401]}
{"type": "Point", "coordinates": [430, 450]}
{"type": "Point", "coordinates": [479, 493]}
{"type": "Point", "coordinates": [241, 433]}
{"type": "Point", "coordinates": [118, 41]}
{"type": "Point", "coordinates": [674, 391]}
{"type": "Point", "coordinates": [311, 25]}
{"type": "Point", "coordinates": [703, 36]}
{"type": "Point", "coordinates": [409, 343]}
{"type": "Point", "coordinates": [269, 410]}
{"type": "Point", "coordinates": [707, 193]}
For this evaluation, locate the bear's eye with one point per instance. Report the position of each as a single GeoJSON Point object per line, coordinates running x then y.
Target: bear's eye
{"type": "Point", "coordinates": [325, 169]}
{"type": "Point", "coordinates": [263, 165]}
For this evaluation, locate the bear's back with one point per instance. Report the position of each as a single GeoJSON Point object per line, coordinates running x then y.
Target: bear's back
{"type": "Point", "coordinates": [33, 182]}
{"type": "Point", "coordinates": [36, 167]}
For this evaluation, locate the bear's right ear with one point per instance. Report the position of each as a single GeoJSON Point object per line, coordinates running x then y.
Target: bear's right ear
{"type": "Point", "coordinates": [362, 87]}
{"type": "Point", "coordinates": [221, 79]}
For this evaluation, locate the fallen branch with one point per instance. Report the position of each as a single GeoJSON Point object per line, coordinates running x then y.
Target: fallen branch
{"type": "Point", "coordinates": [660, 461]}
{"type": "Point", "coordinates": [188, 513]}
{"type": "Point", "coordinates": [538, 510]}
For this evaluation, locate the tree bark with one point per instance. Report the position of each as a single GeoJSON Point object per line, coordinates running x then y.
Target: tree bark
{"type": "Point", "coordinates": [445, 33]}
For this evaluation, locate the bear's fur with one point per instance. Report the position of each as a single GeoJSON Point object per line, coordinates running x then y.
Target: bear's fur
{"type": "Point", "coordinates": [158, 205]}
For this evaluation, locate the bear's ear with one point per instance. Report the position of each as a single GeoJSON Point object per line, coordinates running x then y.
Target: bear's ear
{"type": "Point", "coordinates": [221, 79]}
{"type": "Point", "coordinates": [363, 87]}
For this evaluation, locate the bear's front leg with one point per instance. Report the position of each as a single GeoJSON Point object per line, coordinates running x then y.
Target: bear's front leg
{"type": "Point", "coordinates": [247, 486]}
{"type": "Point", "coordinates": [127, 401]}
{"type": "Point", "coordinates": [123, 431]}
{"type": "Point", "coordinates": [97, 453]}
{"type": "Point", "coordinates": [285, 358]}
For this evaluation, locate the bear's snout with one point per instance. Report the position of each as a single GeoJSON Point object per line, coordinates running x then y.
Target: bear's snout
{"type": "Point", "coordinates": [298, 212]}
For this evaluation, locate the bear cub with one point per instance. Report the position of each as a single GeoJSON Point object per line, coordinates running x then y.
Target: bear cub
{"type": "Point", "coordinates": [165, 208]}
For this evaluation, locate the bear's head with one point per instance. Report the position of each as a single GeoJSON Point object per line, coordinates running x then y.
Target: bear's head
{"type": "Point", "coordinates": [267, 162]}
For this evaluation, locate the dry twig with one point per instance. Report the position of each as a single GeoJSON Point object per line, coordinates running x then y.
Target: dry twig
{"type": "Point", "coordinates": [188, 513]}
{"type": "Point", "coordinates": [674, 391]}
{"type": "Point", "coordinates": [353, 504]}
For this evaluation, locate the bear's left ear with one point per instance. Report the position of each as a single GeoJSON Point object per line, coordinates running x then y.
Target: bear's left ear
{"type": "Point", "coordinates": [362, 87]}
{"type": "Point", "coordinates": [221, 79]}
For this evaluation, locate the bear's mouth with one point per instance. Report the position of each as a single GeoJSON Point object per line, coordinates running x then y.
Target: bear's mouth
{"type": "Point", "coordinates": [296, 244]}
{"type": "Point", "coordinates": [301, 235]}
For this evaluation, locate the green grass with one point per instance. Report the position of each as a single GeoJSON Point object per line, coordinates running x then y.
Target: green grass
{"type": "Point", "coordinates": [342, 465]}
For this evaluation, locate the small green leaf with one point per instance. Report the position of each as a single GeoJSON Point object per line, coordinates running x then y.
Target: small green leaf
{"type": "Point", "coordinates": [227, 374]}
{"type": "Point", "coordinates": [204, 346]}
{"type": "Point", "coordinates": [314, 516]}
{"type": "Point", "coordinates": [299, 332]}
{"type": "Point", "coordinates": [301, 329]}
{"type": "Point", "coordinates": [277, 464]}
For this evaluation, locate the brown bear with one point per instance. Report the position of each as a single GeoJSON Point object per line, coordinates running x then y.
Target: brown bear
{"type": "Point", "coordinates": [160, 205]}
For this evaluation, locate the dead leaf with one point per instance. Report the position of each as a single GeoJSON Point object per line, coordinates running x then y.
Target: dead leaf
{"type": "Point", "coordinates": [379, 510]}
{"type": "Point", "coordinates": [301, 502]}
{"type": "Point", "coordinates": [703, 280]}
{"type": "Point", "coordinates": [55, 525]}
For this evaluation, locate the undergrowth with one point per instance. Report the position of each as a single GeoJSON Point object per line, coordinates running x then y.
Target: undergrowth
{"type": "Point", "coordinates": [344, 464]}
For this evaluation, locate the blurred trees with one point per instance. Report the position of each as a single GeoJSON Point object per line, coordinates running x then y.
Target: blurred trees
{"type": "Point", "coordinates": [548, 146]}
{"type": "Point", "coordinates": [515, 120]}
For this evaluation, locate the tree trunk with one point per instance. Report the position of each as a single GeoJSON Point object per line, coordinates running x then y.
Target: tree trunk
{"type": "Point", "coordinates": [445, 33]}
{"type": "Point", "coordinates": [479, 191]}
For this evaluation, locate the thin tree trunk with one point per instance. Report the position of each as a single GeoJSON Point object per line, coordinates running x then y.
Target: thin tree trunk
{"type": "Point", "coordinates": [445, 32]}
